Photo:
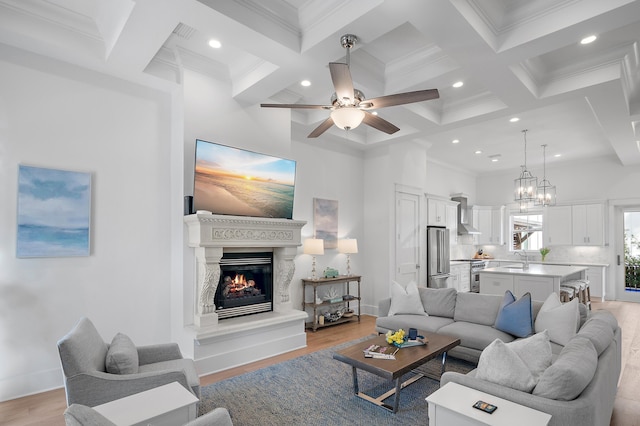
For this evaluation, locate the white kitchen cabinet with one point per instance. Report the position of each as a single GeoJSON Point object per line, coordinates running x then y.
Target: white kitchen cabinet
{"type": "Point", "coordinates": [443, 212]}
{"type": "Point", "coordinates": [588, 224]}
{"type": "Point", "coordinates": [436, 212]}
{"type": "Point", "coordinates": [461, 277]}
{"type": "Point", "coordinates": [596, 276]}
{"type": "Point", "coordinates": [495, 283]}
{"type": "Point", "coordinates": [490, 222]}
{"type": "Point", "coordinates": [539, 287]}
{"type": "Point", "coordinates": [558, 226]}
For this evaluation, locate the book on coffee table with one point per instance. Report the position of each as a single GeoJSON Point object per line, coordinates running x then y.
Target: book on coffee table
{"type": "Point", "coordinates": [381, 352]}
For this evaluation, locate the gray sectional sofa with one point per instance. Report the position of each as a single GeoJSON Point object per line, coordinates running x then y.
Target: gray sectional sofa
{"type": "Point", "coordinates": [471, 316]}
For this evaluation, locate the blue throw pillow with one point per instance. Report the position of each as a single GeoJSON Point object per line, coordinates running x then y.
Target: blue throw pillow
{"type": "Point", "coordinates": [515, 316]}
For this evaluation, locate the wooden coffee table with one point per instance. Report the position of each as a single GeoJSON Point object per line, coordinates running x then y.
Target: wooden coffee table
{"type": "Point", "coordinates": [406, 360]}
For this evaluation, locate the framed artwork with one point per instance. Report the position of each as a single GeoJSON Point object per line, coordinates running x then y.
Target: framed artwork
{"type": "Point", "coordinates": [54, 212]}
{"type": "Point", "coordinates": [325, 221]}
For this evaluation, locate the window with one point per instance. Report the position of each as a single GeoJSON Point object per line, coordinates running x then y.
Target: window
{"type": "Point", "coordinates": [526, 230]}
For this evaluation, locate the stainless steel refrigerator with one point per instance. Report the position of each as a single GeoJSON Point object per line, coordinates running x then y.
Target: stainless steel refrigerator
{"type": "Point", "coordinates": [437, 257]}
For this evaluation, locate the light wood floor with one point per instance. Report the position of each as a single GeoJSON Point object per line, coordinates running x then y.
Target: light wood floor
{"type": "Point", "coordinates": [46, 408]}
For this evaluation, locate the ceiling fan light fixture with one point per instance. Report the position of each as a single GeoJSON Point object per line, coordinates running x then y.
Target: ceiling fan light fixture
{"type": "Point", "coordinates": [347, 118]}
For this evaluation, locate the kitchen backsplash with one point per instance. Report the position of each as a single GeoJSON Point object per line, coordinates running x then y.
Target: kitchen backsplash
{"type": "Point", "coordinates": [578, 254]}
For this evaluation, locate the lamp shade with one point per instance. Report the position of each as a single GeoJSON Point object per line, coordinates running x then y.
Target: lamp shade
{"type": "Point", "coordinates": [347, 118]}
{"type": "Point", "coordinates": [313, 246]}
{"type": "Point", "coordinates": [348, 246]}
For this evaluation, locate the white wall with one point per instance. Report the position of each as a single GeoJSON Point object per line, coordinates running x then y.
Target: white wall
{"type": "Point", "coordinates": [57, 116]}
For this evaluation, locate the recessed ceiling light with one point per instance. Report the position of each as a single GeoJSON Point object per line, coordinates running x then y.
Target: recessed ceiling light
{"type": "Point", "coordinates": [305, 83]}
{"type": "Point", "coordinates": [558, 155]}
{"type": "Point", "coordinates": [458, 84]}
{"type": "Point", "coordinates": [494, 160]}
{"type": "Point", "coordinates": [455, 141]}
{"type": "Point", "coordinates": [589, 39]}
{"type": "Point", "coordinates": [478, 152]}
{"type": "Point", "coordinates": [215, 44]}
{"type": "Point", "coordinates": [375, 113]}
{"type": "Point", "coordinates": [514, 119]}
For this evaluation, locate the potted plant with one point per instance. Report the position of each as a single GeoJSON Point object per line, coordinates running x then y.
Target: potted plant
{"type": "Point", "coordinates": [544, 251]}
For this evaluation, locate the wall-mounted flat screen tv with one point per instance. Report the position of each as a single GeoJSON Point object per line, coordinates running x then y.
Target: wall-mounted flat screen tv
{"type": "Point", "coordinates": [235, 181]}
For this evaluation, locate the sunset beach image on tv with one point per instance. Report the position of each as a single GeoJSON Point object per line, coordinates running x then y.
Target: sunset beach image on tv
{"type": "Point", "coordinates": [234, 181]}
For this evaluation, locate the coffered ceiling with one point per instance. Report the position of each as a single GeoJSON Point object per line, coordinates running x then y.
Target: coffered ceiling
{"type": "Point", "coordinates": [517, 58]}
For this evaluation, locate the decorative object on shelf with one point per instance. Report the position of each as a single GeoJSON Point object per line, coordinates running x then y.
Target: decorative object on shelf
{"type": "Point", "coordinates": [544, 251]}
{"type": "Point", "coordinates": [325, 221]}
{"type": "Point", "coordinates": [546, 191]}
{"type": "Point", "coordinates": [348, 246]}
{"type": "Point", "coordinates": [332, 295]}
{"type": "Point", "coordinates": [333, 316]}
{"type": "Point", "coordinates": [527, 184]}
{"type": "Point", "coordinates": [331, 273]}
{"type": "Point", "coordinates": [313, 246]}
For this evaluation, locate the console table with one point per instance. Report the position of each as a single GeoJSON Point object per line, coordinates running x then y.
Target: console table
{"type": "Point", "coordinates": [346, 299]}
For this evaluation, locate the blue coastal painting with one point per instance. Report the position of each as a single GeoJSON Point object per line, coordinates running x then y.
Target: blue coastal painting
{"type": "Point", "coordinates": [54, 212]}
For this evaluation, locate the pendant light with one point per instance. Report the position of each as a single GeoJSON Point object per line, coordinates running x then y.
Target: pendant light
{"type": "Point", "coordinates": [546, 191]}
{"type": "Point", "coordinates": [527, 184]}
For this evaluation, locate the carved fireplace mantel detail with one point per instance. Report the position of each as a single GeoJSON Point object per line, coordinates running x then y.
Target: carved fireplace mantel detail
{"type": "Point", "coordinates": [210, 235]}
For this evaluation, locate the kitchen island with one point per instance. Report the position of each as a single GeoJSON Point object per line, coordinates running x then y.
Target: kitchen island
{"type": "Point", "coordinates": [538, 279]}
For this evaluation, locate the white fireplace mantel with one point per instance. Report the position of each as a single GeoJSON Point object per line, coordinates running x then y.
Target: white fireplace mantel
{"type": "Point", "coordinates": [211, 235]}
{"type": "Point", "coordinates": [230, 342]}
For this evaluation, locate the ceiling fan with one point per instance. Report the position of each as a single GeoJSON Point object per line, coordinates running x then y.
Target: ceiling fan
{"type": "Point", "coordinates": [349, 107]}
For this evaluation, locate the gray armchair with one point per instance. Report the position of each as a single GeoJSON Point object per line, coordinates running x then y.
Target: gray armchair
{"type": "Point", "coordinates": [81, 415]}
{"type": "Point", "coordinates": [83, 354]}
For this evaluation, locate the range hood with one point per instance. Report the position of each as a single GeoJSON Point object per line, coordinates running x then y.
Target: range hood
{"type": "Point", "coordinates": [463, 223]}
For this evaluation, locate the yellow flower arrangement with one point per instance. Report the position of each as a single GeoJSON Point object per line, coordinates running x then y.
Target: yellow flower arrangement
{"type": "Point", "coordinates": [395, 336]}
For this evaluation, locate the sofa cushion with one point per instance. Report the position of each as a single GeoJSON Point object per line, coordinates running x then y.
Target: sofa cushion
{"type": "Point", "coordinates": [475, 336]}
{"type": "Point", "coordinates": [561, 320]}
{"type": "Point", "coordinates": [515, 316]}
{"type": "Point", "coordinates": [605, 316]}
{"type": "Point", "coordinates": [122, 356]}
{"type": "Point", "coordinates": [421, 322]}
{"type": "Point", "coordinates": [405, 300]}
{"type": "Point", "coordinates": [477, 308]}
{"type": "Point", "coordinates": [439, 302]}
{"type": "Point", "coordinates": [598, 332]}
{"type": "Point", "coordinates": [500, 364]}
{"type": "Point", "coordinates": [570, 374]}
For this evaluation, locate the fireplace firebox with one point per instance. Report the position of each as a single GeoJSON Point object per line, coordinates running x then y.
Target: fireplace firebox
{"type": "Point", "coordinates": [246, 284]}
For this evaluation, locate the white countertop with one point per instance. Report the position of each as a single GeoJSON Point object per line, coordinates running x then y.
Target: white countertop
{"type": "Point", "coordinates": [551, 262]}
{"type": "Point", "coordinates": [537, 269]}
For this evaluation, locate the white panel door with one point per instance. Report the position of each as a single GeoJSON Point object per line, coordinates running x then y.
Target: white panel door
{"type": "Point", "coordinates": [408, 239]}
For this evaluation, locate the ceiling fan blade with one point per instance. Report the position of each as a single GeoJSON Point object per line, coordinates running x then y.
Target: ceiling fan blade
{"type": "Point", "coordinates": [400, 99]}
{"type": "Point", "coordinates": [379, 123]}
{"type": "Point", "coordinates": [342, 82]}
{"type": "Point", "coordinates": [323, 127]}
{"type": "Point", "coordinates": [296, 106]}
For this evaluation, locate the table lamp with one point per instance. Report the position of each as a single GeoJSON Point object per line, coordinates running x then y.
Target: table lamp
{"type": "Point", "coordinates": [313, 246]}
{"type": "Point", "coordinates": [348, 246]}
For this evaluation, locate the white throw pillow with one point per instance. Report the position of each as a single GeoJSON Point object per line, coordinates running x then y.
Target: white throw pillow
{"type": "Point", "coordinates": [500, 364]}
{"type": "Point", "coordinates": [560, 320]}
{"type": "Point", "coordinates": [405, 301]}
{"type": "Point", "coordinates": [535, 352]}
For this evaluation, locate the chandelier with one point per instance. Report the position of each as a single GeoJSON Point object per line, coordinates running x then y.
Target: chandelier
{"type": "Point", "coordinates": [527, 184]}
{"type": "Point", "coordinates": [546, 191]}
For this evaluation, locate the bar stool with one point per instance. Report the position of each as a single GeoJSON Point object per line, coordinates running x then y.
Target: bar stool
{"type": "Point", "coordinates": [581, 290]}
{"type": "Point", "coordinates": [566, 294]}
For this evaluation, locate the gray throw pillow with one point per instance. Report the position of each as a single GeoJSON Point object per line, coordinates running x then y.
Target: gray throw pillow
{"type": "Point", "coordinates": [80, 415]}
{"type": "Point", "coordinates": [561, 320]}
{"type": "Point", "coordinates": [535, 352]}
{"type": "Point", "coordinates": [405, 300]}
{"type": "Point", "coordinates": [571, 372]}
{"type": "Point", "coordinates": [122, 356]}
{"type": "Point", "coordinates": [439, 302]}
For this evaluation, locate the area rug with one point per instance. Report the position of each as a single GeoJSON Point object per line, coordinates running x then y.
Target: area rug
{"type": "Point", "coordinates": [316, 389]}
